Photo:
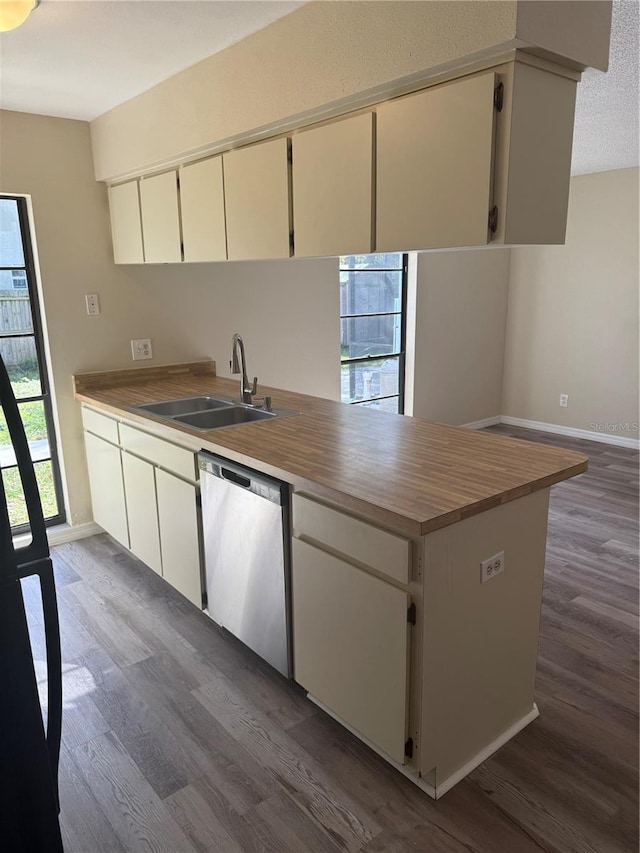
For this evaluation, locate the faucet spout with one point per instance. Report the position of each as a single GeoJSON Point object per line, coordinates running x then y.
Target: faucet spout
{"type": "Point", "coordinates": [239, 365]}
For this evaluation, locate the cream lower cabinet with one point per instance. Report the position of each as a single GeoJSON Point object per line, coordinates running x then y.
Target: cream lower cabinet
{"type": "Point", "coordinates": [140, 490]}
{"type": "Point", "coordinates": [350, 628]}
{"type": "Point", "coordinates": [179, 536]}
{"type": "Point", "coordinates": [107, 487]}
{"type": "Point", "coordinates": [147, 508]}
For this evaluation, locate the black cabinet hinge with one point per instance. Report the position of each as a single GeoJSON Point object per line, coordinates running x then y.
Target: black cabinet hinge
{"type": "Point", "coordinates": [411, 614]}
{"type": "Point", "coordinates": [493, 219]}
{"type": "Point", "coordinates": [291, 243]}
{"type": "Point", "coordinates": [289, 152]}
{"type": "Point", "coordinates": [205, 600]}
{"type": "Point", "coordinates": [198, 500]}
{"type": "Point", "coordinates": [498, 97]}
{"type": "Point", "coordinates": [408, 748]}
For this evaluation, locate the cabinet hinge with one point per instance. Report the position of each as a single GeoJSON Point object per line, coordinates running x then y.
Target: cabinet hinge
{"type": "Point", "coordinates": [411, 614]}
{"type": "Point", "coordinates": [289, 152]}
{"type": "Point", "coordinates": [493, 219]}
{"type": "Point", "coordinates": [291, 243]}
{"type": "Point", "coordinates": [498, 97]}
{"type": "Point", "coordinates": [408, 748]}
{"type": "Point", "coordinates": [205, 600]}
{"type": "Point", "coordinates": [198, 500]}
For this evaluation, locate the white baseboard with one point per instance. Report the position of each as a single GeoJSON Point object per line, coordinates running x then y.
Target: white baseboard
{"type": "Point", "coordinates": [485, 422]}
{"type": "Point", "coordinates": [413, 775]}
{"type": "Point", "coordinates": [494, 746]}
{"type": "Point", "coordinates": [66, 533]}
{"type": "Point", "coordinates": [62, 533]}
{"type": "Point", "coordinates": [572, 432]}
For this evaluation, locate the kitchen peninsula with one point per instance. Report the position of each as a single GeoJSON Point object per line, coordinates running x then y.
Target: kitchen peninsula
{"type": "Point", "coordinates": [417, 552]}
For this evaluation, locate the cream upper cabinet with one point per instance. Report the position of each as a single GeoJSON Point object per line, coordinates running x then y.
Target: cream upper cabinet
{"type": "Point", "coordinates": [333, 188]}
{"type": "Point", "coordinates": [161, 219]}
{"type": "Point", "coordinates": [126, 225]}
{"type": "Point", "coordinates": [434, 166]}
{"type": "Point", "coordinates": [204, 233]}
{"type": "Point", "coordinates": [258, 201]}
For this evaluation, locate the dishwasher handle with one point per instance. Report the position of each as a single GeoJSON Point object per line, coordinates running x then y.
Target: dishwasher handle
{"type": "Point", "coordinates": [235, 478]}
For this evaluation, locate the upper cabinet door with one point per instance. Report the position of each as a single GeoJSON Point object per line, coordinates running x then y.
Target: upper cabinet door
{"type": "Point", "coordinates": [332, 188]}
{"type": "Point", "coordinates": [126, 227]}
{"type": "Point", "coordinates": [434, 167]}
{"type": "Point", "coordinates": [160, 219]}
{"type": "Point", "coordinates": [258, 201]}
{"type": "Point", "coordinates": [204, 234]}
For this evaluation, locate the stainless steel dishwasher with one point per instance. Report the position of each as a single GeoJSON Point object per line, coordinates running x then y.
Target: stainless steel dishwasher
{"type": "Point", "coordinates": [245, 518]}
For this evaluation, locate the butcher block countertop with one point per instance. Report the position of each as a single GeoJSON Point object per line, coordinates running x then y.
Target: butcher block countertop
{"type": "Point", "coordinates": [411, 475]}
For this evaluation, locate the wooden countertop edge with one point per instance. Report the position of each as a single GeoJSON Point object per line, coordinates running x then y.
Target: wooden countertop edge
{"type": "Point", "coordinates": [102, 380]}
{"type": "Point", "coordinates": [503, 498]}
{"type": "Point", "coordinates": [386, 517]}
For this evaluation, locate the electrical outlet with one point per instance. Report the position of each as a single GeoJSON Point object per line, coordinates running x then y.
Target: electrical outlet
{"type": "Point", "coordinates": [93, 303]}
{"type": "Point", "coordinates": [492, 567]}
{"type": "Point", "coordinates": [141, 349]}
{"type": "Point", "coordinates": [564, 400]}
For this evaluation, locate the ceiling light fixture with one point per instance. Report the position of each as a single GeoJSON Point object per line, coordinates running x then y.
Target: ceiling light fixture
{"type": "Point", "coordinates": [15, 12]}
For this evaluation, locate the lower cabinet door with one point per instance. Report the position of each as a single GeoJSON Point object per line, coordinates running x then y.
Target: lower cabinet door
{"type": "Point", "coordinates": [107, 487]}
{"type": "Point", "coordinates": [140, 490]}
{"type": "Point", "coordinates": [179, 538]}
{"type": "Point", "coordinates": [350, 645]}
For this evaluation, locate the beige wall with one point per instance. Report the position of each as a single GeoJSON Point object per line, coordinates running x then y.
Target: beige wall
{"type": "Point", "coordinates": [270, 79]}
{"type": "Point", "coordinates": [286, 310]}
{"type": "Point", "coordinates": [573, 313]}
{"type": "Point", "coordinates": [460, 316]}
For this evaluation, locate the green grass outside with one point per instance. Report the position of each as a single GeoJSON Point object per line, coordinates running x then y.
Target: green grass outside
{"type": "Point", "coordinates": [15, 495]}
{"type": "Point", "coordinates": [25, 380]}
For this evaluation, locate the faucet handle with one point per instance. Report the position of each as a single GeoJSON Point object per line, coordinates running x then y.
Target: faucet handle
{"type": "Point", "coordinates": [254, 387]}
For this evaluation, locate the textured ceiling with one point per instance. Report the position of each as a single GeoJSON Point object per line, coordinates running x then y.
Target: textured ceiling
{"type": "Point", "coordinates": [606, 128]}
{"type": "Point", "coordinates": [80, 58]}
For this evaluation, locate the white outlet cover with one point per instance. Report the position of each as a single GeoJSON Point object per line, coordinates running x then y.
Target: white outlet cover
{"type": "Point", "coordinates": [141, 349]}
{"type": "Point", "coordinates": [491, 567]}
{"type": "Point", "coordinates": [92, 301]}
{"type": "Point", "coordinates": [564, 400]}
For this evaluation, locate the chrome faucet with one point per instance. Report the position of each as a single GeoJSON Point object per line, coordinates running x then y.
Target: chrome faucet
{"type": "Point", "coordinates": [246, 391]}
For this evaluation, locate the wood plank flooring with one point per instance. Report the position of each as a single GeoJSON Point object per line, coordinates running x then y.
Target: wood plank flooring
{"type": "Point", "coordinates": [178, 739]}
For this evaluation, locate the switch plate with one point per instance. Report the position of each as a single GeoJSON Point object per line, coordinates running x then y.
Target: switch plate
{"type": "Point", "coordinates": [141, 349]}
{"type": "Point", "coordinates": [564, 400]}
{"type": "Point", "coordinates": [492, 567]}
{"type": "Point", "coordinates": [92, 301]}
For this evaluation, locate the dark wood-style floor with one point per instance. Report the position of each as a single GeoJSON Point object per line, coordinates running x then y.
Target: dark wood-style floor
{"type": "Point", "coordinates": [177, 739]}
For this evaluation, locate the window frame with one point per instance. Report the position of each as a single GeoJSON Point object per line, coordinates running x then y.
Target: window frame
{"type": "Point", "coordinates": [401, 355]}
{"type": "Point", "coordinates": [37, 334]}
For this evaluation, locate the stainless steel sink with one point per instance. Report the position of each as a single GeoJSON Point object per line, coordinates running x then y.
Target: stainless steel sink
{"type": "Point", "coordinates": [229, 416]}
{"type": "Point", "coordinates": [171, 408]}
{"type": "Point", "coordinates": [208, 412]}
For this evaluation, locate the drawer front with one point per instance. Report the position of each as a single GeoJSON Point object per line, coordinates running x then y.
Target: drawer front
{"type": "Point", "coordinates": [100, 425]}
{"type": "Point", "coordinates": [179, 460]}
{"type": "Point", "coordinates": [383, 551]}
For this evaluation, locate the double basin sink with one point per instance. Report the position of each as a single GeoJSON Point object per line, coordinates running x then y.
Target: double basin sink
{"type": "Point", "coordinates": [210, 412]}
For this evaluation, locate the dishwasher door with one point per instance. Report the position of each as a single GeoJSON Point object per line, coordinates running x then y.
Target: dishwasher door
{"type": "Point", "coordinates": [246, 549]}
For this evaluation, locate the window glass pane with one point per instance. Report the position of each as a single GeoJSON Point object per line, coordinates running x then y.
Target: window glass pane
{"type": "Point", "coordinates": [21, 360]}
{"type": "Point", "coordinates": [389, 404]}
{"type": "Point", "coordinates": [35, 427]}
{"type": "Point", "coordinates": [360, 336]}
{"type": "Point", "coordinates": [370, 379]}
{"type": "Point", "coordinates": [11, 252]}
{"type": "Point", "coordinates": [15, 494]}
{"type": "Point", "coordinates": [370, 292]}
{"type": "Point", "coordinates": [15, 308]}
{"type": "Point", "coordinates": [389, 260]}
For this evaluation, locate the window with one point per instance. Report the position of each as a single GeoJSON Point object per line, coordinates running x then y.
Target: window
{"type": "Point", "coordinates": [373, 295]}
{"type": "Point", "coordinates": [21, 347]}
